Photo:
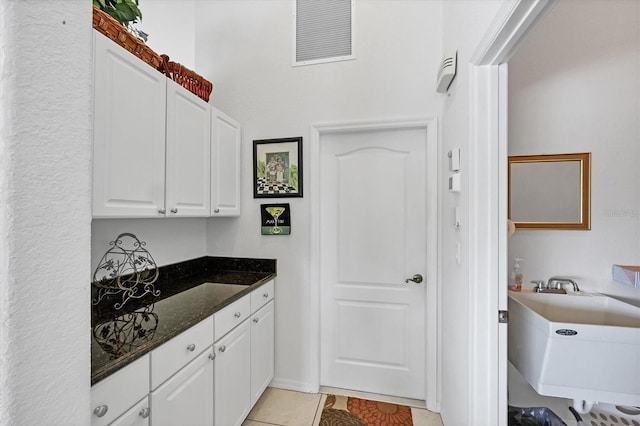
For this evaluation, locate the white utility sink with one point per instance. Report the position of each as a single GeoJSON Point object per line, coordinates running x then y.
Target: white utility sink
{"type": "Point", "coordinates": [581, 346]}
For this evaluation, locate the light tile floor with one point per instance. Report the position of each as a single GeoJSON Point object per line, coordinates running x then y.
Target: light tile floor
{"type": "Point", "coordinates": [288, 408]}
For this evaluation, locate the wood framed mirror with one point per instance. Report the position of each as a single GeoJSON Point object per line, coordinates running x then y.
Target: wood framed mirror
{"type": "Point", "coordinates": [550, 191]}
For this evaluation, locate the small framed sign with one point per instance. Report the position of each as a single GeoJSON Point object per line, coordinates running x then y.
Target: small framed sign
{"type": "Point", "coordinates": [275, 219]}
{"type": "Point", "coordinates": [277, 168]}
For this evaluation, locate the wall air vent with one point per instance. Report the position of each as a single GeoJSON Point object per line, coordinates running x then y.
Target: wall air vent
{"type": "Point", "coordinates": [323, 31]}
{"type": "Point", "coordinates": [447, 72]}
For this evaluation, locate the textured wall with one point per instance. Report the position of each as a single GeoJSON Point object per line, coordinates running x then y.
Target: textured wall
{"type": "Point", "coordinates": [45, 200]}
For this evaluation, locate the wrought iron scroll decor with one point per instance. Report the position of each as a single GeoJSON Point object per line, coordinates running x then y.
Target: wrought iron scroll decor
{"type": "Point", "coordinates": [127, 332]}
{"type": "Point", "coordinates": [127, 269]}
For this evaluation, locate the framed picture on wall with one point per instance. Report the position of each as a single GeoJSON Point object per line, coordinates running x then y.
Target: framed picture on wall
{"type": "Point", "coordinates": [275, 219]}
{"type": "Point", "coordinates": [277, 168]}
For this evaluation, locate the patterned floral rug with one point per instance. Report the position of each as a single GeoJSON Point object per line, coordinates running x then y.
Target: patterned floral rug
{"type": "Point", "coordinates": [347, 411]}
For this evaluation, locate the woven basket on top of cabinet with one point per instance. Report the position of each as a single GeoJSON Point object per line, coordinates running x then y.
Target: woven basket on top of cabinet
{"type": "Point", "coordinates": [190, 80]}
{"type": "Point", "coordinates": [107, 25]}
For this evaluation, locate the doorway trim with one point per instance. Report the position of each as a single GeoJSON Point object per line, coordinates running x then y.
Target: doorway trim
{"type": "Point", "coordinates": [432, 275]}
{"type": "Point", "coordinates": [488, 204]}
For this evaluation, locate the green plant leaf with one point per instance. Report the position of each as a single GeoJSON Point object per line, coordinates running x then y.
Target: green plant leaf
{"type": "Point", "coordinates": [100, 3]}
{"type": "Point", "coordinates": [136, 11]}
{"type": "Point", "coordinates": [117, 14]}
{"type": "Point", "coordinates": [126, 12]}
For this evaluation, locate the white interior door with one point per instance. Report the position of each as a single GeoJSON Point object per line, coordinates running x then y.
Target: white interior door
{"type": "Point", "coordinates": [373, 236]}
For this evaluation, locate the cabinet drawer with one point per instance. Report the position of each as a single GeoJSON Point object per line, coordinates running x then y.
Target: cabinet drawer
{"type": "Point", "coordinates": [232, 315]}
{"type": "Point", "coordinates": [136, 416]}
{"type": "Point", "coordinates": [114, 395]}
{"type": "Point", "coordinates": [262, 295]}
{"type": "Point", "coordinates": [177, 352]}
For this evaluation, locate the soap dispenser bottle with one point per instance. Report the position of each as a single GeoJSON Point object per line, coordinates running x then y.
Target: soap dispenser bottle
{"type": "Point", "coordinates": [516, 276]}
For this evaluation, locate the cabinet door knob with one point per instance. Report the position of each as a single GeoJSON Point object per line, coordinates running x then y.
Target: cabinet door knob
{"type": "Point", "coordinates": [256, 320]}
{"type": "Point", "coordinates": [265, 295]}
{"type": "Point", "coordinates": [144, 413]}
{"type": "Point", "coordinates": [174, 210]}
{"type": "Point", "coordinates": [237, 315]}
{"type": "Point", "coordinates": [101, 410]}
{"type": "Point", "coordinates": [222, 348]}
{"type": "Point", "coordinates": [216, 211]}
{"type": "Point", "coordinates": [191, 347]}
{"type": "Point", "coordinates": [162, 211]}
{"type": "Point", "coordinates": [212, 356]}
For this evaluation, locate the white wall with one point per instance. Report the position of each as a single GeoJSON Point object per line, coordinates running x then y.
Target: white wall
{"type": "Point", "coordinates": [169, 240]}
{"type": "Point", "coordinates": [574, 86]}
{"type": "Point", "coordinates": [171, 29]}
{"type": "Point", "coordinates": [245, 47]}
{"type": "Point", "coordinates": [464, 24]}
{"type": "Point", "coordinates": [45, 211]}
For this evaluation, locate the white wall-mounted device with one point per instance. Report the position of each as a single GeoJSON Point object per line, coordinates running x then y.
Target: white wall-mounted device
{"type": "Point", "coordinates": [447, 71]}
{"type": "Point", "coordinates": [454, 183]}
{"type": "Point", "coordinates": [454, 160]}
{"type": "Point", "coordinates": [456, 218]}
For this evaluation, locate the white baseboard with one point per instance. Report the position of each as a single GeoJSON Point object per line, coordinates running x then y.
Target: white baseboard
{"type": "Point", "coordinates": [292, 385]}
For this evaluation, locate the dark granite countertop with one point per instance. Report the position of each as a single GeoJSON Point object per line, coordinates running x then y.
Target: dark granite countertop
{"type": "Point", "coordinates": [190, 292]}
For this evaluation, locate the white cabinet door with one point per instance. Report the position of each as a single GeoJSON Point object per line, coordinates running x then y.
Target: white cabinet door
{"type": "Point", "coordinates": [232, 376]}
{"type": "Point", "coordinates": [262, 350]}
{"type": "Point", "coordinates": [138, 415]}
{"type": "Point", "coordinates": [225, 165]}
{"type": "Point", "coordinates": [129, 134]}
{"type": "Point", "coordinates": [188, 183]}
{"type": "Point", "coordinates": [186, 398]}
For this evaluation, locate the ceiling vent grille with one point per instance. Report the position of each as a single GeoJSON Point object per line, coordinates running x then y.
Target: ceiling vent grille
{"type": "Point", "coordinates": [324, 31]}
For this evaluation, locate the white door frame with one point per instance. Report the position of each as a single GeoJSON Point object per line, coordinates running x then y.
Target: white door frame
{"type": "Point", "coordinates": [432, 277]}
{"type": "Point", "coordinates": [488, 205]}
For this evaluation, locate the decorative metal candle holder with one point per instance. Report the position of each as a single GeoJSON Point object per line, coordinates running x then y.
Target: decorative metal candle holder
{"type": "Point", "coordinates": [126, 269]}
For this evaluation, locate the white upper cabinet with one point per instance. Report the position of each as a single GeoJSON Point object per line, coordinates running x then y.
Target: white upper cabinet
{"type": "Point", "coordinates": [188, 184]}
{"type": "Point", "coordinates": [129, 134]}
{"type": "Point", "coordinates": [225, 164]}
{"type": "Point", "coordinates": [159, 150]}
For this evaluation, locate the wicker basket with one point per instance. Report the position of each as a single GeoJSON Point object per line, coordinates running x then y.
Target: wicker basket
{"type": "Point", "coordinates": [107, 25]}
{"type": "Point", "coordinates": [188, 79]}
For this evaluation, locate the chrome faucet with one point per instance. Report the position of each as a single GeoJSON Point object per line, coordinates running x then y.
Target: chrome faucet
{"type": "Point", "coordinates": [562, 280]}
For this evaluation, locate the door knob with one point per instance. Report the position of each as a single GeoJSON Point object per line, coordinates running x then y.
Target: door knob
{"type": "Point", "coordinates": [417, 278]}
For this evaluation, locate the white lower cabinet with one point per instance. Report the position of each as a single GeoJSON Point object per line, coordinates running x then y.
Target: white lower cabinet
{"type": "Point", "coordinates": [138, 415]}
{"type": "Point", "coordinates": [187, 397]}
{"type": "Point", "coordinates": [116, 394]}
{"type": "Point", "coordinates": [188, 381]}
{"type": "Point", "coordinates": [262, 350]}
{"type": "Point", "coordinates": [232, 376]}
